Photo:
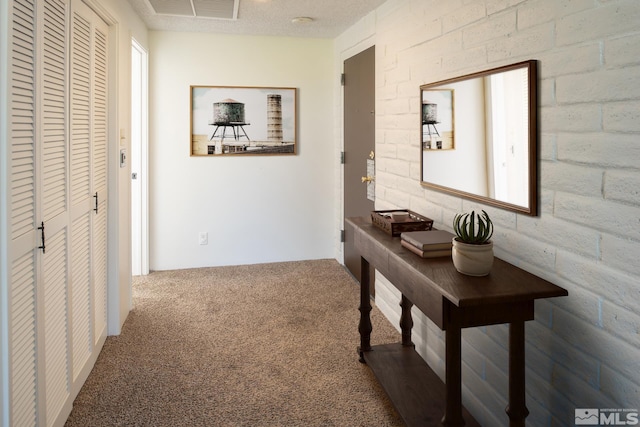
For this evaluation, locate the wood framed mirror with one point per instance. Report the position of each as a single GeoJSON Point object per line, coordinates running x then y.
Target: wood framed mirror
{"type": "Point", "coordinates": [479, 135]}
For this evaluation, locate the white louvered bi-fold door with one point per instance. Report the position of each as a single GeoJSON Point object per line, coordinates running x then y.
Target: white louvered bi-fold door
{"type": "Point", "coordinates": [100, 177]}
{"type": "Point", "coordinates": [58, 163]}
{"type": "Point", "coordinates": [39, 382]}
{"type": "Point", "coordinates": [88, 182]}
{"type": "Point", "coordinates": [54, 202]}
{"type": "Point", "coordinates": [23, 231]}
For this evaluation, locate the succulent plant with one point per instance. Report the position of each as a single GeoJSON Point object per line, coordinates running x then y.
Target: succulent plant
{"type": "Point", "coordinates": [468, 230]}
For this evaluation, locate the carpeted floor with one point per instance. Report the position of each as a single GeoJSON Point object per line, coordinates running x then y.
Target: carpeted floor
{"type": "Point", "coordinates": [257, 345]}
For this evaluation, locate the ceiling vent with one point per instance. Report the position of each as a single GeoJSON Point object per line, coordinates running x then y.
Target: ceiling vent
{"type": "Point", "coordinates": [217, 9]}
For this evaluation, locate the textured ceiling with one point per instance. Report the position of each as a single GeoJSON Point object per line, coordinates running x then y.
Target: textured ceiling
{"type": "Point", "coordinates": [256, 17]}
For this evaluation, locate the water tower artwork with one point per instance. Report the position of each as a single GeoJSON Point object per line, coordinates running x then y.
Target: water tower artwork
{"type": "Point", "coordinates": [437, 116]}
{"type": "Point", "coordinates": [228, 111]}
{"type": "Point", "coordinates": [430, 120]}
{"type": "Point", "coordinates": [243, 120]}
{"type": "Point", "coordinates": [227, 114]}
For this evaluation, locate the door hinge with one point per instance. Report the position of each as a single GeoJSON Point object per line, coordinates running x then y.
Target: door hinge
{"type": "Point", "coordinates": [342, 236]}
{"type": "Point", "coordinates": [342, 157]}
{"type": "Point", "coordinates": [342, 79]}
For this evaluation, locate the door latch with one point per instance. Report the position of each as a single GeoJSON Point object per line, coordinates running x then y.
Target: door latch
{"type": "Point", "coordinates": [371, 177]}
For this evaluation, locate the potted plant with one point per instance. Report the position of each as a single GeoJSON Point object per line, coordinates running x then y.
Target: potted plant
{"type": "Point", "coordinates": [472, 251]}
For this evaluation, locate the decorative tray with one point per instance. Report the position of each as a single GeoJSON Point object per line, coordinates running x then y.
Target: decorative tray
{"type": "Point", "coordinates": [414, 221]}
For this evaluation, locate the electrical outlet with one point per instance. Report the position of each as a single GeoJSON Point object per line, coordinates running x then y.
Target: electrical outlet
{"type": "Point", "coordinates": [203, 238]}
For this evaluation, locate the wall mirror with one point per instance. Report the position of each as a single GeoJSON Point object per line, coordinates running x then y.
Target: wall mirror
{"type": "Point", "coordinates": [479, 136]}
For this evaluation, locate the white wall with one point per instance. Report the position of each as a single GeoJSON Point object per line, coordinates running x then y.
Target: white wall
{"type": "Point", "coordinates": [583, 351]}
{"type": "Point", "coordinates": [255, 209]}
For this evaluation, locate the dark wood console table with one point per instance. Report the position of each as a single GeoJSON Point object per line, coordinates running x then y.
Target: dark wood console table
{"type": "Point", "coordinates": [452, 301]}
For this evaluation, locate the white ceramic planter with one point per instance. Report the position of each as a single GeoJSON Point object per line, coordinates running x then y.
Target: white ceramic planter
{"type": "Point", "coordinates": [472, 260]}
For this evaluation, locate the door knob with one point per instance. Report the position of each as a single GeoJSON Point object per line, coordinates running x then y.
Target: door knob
{"type": "Point", "coordinates": [368, 179]}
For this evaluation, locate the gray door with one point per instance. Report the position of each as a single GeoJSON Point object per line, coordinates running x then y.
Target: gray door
{"type": "Point", "coordinates": [359, 142]}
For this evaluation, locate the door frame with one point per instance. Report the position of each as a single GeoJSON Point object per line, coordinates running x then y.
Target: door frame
{"type": "Point", "coordinates": [140, 165]}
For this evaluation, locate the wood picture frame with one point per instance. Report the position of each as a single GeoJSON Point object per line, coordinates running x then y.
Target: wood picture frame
{"type": "Point", "coordinates": [243, 120]}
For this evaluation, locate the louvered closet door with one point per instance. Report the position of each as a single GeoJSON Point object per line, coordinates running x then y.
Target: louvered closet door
{"type": "Point", "coordinates": [39, 386]}
{"type": "Point", "coordinates": [100, 177]}
{"type": "Point", "coordinates": [82, 201]}
{"type": "Point", "coordinates": [88, 182]}
{"type": "Point", "coordinates": [22, 222]}
{"type": "Point", "coordinates": [58, 130]}
{"type": "Point", "coordinates": [54, 199]}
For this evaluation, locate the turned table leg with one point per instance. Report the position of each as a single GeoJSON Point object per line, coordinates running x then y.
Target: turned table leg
{"type": "Point", "coordinates": [453, 373]}
{"type": "Point", "coordinates": [517, 408]}
{"type": "Point", "coordinates": [364, 327]}
{"type": "Point", "coordinates": [406, 321]}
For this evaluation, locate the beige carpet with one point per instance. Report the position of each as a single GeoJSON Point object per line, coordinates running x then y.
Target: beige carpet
{"type": "Point", "coordinates": [258, 345]}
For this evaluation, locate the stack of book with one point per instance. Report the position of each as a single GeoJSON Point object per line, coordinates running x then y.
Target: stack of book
{"type": "Point", "coordinates": [428, 243]}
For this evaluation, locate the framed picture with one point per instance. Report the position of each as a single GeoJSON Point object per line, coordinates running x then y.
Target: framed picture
{"type": "Point", "coordinates": [437, 119]}
{"type": "Point", "coordinates": [237, 120]}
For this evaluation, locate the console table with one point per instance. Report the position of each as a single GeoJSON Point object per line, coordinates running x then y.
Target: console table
{"type": "Point", "coordinates": [452, 301]}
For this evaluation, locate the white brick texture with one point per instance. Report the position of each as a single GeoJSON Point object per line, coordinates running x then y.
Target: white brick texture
{"type": "Point", "coordinates": [583, 351]}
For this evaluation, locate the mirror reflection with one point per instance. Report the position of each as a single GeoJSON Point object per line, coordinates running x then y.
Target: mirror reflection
{"type": "Point", "coordinates": [479, 136]}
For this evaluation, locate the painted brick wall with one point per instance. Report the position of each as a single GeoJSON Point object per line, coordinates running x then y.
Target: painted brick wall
{"type": "Point", "coordinates": [583, 351]}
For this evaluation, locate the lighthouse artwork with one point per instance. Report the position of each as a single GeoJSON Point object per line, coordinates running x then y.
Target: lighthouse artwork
{"type": "Point", "coordinates": [242, 120]}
